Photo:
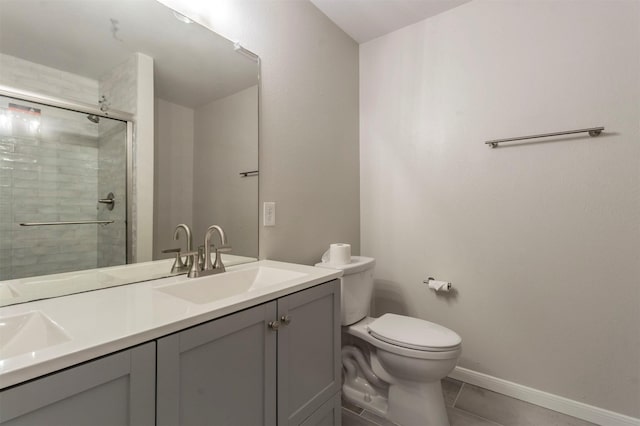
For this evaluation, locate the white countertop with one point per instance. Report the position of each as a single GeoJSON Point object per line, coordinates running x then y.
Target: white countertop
{"type": "Point", "coordinates": [108, 320]}
{"type": "Point", "coordinates": [27, 289]}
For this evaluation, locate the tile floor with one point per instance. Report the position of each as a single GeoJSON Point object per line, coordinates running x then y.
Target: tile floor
{"type": "Point", "coordinates": [469, 405]}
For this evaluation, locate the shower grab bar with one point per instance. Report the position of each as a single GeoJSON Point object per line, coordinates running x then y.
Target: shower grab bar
{"type": "Point", "coordinates": [249, 174]}
{"type": "Point", "coordinates": [77, 222]}
{"type": "Point", "coordinates": [593, 131]}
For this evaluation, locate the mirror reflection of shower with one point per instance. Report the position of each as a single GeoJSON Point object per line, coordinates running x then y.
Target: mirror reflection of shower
{"type": "Point", "coordinates": [53, 168]}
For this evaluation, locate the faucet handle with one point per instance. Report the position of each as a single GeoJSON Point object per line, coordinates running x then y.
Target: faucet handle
{"type": "Point", "coordinates": [178, 265]}
{"type": "Point", "coordinates": [217, 264]}
{"type": "Point", "coordinates": [195, 269]}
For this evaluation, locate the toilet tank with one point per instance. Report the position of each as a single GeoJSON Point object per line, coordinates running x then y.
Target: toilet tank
{"type": "Point", "coordinates": [356, 287]}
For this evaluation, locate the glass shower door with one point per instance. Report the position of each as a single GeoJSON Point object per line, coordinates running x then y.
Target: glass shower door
{"type": "Point", "coordinates": [62, 190]}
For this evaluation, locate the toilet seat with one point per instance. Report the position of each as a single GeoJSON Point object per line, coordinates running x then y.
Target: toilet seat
{"type": "Point", "coordinates": [361, 330]}
{"type": "Point", "coordinates": [413, 333]}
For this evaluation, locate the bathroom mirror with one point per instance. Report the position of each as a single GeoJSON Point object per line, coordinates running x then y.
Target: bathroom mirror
{"type": "Point", "coordinates": [205, 144]}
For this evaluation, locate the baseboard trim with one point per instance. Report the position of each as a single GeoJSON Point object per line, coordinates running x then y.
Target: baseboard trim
{"type": "Point", "coordinates": [544, 399]}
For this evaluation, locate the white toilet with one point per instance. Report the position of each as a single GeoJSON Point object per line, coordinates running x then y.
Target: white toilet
{"type": "Point", "coordinates": [393, 364]}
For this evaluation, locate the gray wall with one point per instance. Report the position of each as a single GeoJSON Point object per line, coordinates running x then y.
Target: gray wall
{"type": "Point", "coordinates": [540, 240]}
{"type": "Point", "coordinates": [173, 180]}
{"type": "Point", "coordinates": [226, 131]}
{"type": "Point", "coordinates": [308, 121]}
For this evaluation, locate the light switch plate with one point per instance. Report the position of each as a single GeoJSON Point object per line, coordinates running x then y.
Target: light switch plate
{"type": "Point", "coordinates": [269, 217]}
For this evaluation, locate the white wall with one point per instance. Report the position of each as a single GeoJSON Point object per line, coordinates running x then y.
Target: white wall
{"type": "Point", "coordinates": [308, 120]}
{"type": "Point", "coordinates": [541, 240]}
{"type": "Point", "coordinates": [143, 160]}
{"type": "Point", "coordinates": [173, 184]}
{"type": "Point", "coordinates": [226, 131]}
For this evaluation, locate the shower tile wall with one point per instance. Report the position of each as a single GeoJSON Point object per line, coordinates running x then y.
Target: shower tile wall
{"type": "Point", "coordinates": [112, 157]}
{"type": "Point", "coordinates": [46, 170]}
{"type": "Point", "coordinates": [32, 173]}
{"type": "Point", "coordinates": [21, 74]}
{"type": "Point", "coordinates": [48, 174]}
{"type": "Point", "coordinates": [119, 86]}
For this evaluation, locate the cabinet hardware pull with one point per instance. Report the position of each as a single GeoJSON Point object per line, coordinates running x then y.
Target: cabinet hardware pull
{"type": "Point", "coordinates": [274, 325]}
{"type": "Point", "coordinates": [286, 319]}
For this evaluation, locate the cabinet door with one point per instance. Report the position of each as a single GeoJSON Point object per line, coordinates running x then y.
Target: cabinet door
{"type": "Point", "coordinates": [309, 365]}
{"type": "Point", "coordinates": [329, 413]}
{"type": "Point", "coordinates": [118, 389]}
{"type": "Point", "coordinates": [220, 373]}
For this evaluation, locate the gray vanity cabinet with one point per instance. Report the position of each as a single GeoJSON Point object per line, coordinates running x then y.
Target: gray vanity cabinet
{"type": "Point", "coordinates": [273, 364]}
{"type": "Point", "coordinates": [220, 372]}
{"type": "Point", "coordinates": [309, 364]}
{"type": "Point", "coordinates": [118, 389]}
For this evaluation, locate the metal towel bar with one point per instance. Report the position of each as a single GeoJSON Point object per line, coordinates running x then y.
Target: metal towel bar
{"type": "Point", "coordinates": [593, 131]}
{"type": "Point", "coordinates": [77, 222]}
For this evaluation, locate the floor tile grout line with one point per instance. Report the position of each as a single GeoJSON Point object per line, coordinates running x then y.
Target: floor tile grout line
{"type": "Point", "coordinates": [455, 401]}
{"type": "Point", "coordinates": [371, 420]}
{"type": "Point", "coordinates": [457, 395]}
{"type": "Point", "coordinates": [349, 410]}
{"type": "Point", "coordinates": [469, 413]}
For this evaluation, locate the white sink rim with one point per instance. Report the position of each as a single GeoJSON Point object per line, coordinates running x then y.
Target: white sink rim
{"type": "Point", "coordinates": [222, 286]}
{"type": "Point", "coordinates": [29, 332]}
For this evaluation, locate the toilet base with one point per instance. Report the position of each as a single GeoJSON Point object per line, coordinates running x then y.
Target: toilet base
{"type": "Point", "coordinates": [417, 405]}
{"type": "Point", "coordinates": [365, 397]}
{"type": "Point", "coordinates": [406, 404]}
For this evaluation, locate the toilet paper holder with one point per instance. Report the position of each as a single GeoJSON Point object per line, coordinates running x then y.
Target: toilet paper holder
{"type": "Point", "coordinates": [437, 285]}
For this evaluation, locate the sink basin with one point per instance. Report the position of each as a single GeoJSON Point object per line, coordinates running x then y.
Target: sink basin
{"type": "Point", "coordinates": [217, 287]}
{"type": "Point", "coordinates": [28, 332]}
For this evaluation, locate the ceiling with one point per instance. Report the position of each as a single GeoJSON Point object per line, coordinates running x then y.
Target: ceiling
{"type": "Point", "coordinates": [192, 65]}
{"type": "Point", "coordinates": [365, 20]}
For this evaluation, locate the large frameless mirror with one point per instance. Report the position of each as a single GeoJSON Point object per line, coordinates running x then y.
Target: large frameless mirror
{"type": "Point", "coordinates": [74, 113]}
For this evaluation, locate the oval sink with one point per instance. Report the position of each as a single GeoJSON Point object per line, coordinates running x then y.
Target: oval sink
{"type": "Point", "coordinates": [228, 284]}
{"type": "Point", "coordinates": [28, 332]}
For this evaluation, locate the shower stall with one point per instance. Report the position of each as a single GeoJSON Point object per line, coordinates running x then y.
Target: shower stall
{"type": "Point", "coordinates": [64, 179]}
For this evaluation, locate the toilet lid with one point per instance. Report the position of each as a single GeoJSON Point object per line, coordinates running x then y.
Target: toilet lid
{"type": "Point", "coordinates": [414, 333]}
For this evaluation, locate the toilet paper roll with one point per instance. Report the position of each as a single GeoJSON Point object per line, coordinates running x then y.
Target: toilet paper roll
{"type": "Point", "coordinates": [439, 285]}
{"type": "Point", "coordinates": [340, 254]}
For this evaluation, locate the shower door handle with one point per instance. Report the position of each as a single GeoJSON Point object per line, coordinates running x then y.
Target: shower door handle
{"type": "Point", "coordinates": [109, 201]}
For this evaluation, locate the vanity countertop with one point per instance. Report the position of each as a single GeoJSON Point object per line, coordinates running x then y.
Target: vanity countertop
{"type": "Point", "coordinates": [96, 323]}
{"type": "Point", "coordinates": [28, 289]}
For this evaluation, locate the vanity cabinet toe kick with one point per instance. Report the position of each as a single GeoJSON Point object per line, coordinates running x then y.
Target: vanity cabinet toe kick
{"type": "Point", "coordinates": [277, 363]}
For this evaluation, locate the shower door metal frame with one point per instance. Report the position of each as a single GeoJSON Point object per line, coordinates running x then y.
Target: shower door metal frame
{"type": "Point", "coordinates": [84, 108]}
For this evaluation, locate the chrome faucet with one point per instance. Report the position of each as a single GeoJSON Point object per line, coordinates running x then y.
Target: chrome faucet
{"type": "Point", "coordinates": [187, 231]}
{"type": "Point", "coordinates": [198, 269]}
{"type": "Point", "coordinates": [217, 265]}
